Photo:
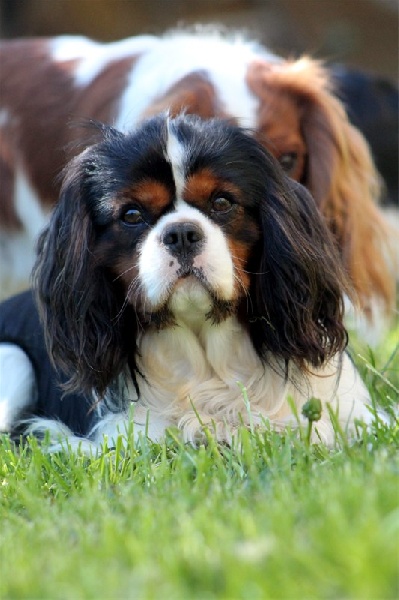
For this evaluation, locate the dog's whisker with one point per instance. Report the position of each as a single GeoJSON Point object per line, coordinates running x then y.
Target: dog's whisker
{"type": "Point", "coordinates": [126, 301]}
{"type": "Point", "coordinates": [124, 273]}
{"type": "Point", "coordinates": [246, 292]}
{"type": "Point", "coordinates": [240, 282]}
{"type": "Point", "coordinates": [242, 270]}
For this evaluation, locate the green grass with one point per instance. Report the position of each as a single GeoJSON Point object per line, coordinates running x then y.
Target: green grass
{"type": "Point", "coordinates": [270, 518]}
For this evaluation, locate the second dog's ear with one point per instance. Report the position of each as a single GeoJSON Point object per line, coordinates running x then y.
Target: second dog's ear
{"type": "Point", "coordinates": [339, 171]}
{"type": "Point", "coordinates": [297, 296]}
{"type": "Point", "coordinates": [77, 303]}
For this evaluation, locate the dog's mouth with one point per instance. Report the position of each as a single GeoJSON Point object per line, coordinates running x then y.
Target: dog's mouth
{"type": "Point", "coordinates": [187, 270]}
{"type": "Point", "coordinates": [190, 299]}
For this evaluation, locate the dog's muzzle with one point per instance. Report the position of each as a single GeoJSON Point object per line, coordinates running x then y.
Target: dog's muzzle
{"type": "Point", "coordinates": [183, 240]}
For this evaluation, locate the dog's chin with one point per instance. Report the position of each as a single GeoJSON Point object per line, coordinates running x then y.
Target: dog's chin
{"type": "Point", "coordinates": [190, 297]}
{"type": "Point", "coordinates": [192, 302]}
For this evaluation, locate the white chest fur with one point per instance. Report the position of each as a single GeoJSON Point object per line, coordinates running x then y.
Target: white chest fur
{"type": "Point", "coordinates": [206, 369]}
{"type": "Point", "coordinates": [207, 374]}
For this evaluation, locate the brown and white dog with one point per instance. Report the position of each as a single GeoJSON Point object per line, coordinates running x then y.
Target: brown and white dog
{"type": "Point", "coordinates": [290, 105]}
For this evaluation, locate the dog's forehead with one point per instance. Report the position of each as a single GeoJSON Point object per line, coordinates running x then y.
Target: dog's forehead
{"type": "Point", "coordinates": [170, 159]}
{"type": "Point", "coordinates": [173, 152]}
{"type": "Point", "coordinates": [176, 153]}
{"type": "Point", "coordinates": [194, 147]}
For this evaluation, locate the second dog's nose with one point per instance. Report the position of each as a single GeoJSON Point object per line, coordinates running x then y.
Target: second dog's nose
{"type": "Point", "coordinates": [183, 239]}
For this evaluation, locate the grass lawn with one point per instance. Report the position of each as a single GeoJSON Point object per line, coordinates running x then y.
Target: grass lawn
{"type": "Point", "coordinates": [270, 518]}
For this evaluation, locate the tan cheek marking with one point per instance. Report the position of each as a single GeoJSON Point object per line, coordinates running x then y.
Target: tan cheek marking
{"type": "Point", "coordinates": [240, 254]}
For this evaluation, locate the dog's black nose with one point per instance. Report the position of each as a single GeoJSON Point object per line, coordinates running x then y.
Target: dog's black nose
{"type": "Point", "coordinates": [183, 239]}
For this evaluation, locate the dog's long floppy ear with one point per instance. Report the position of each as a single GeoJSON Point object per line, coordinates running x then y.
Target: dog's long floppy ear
{"type": "Point", "coordinates": [80, 309]}
{"type": "Point", "coordinates": [340, 173]}
{"type": "Point", "coordinates": [297, 290]}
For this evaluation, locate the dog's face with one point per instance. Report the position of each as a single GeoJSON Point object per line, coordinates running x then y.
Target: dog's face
{"type": "Point", "coordinates": [184, 220]}
{"type": "Point", "coordinates": [181, 226]}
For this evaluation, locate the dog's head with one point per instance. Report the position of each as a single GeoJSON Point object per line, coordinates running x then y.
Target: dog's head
{"type": "Point", "coordinates": [191, 221]}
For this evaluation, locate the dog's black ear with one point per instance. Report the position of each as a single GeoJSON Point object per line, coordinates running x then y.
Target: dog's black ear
{"type": "Point", "coordinates": [297, 291]}
{"type": "Point", "coordinates": [80, 309]}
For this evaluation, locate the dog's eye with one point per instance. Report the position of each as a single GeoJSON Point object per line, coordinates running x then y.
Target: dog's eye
{"type": "Point", "coordinates": [221, 205]}
{"type": "Point", "coordinates": [132, 216]}
{"type": "Point", "coordinates": [288, 161]}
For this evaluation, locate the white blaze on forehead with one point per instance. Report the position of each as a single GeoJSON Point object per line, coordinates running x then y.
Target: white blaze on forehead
{"type": "Point", "coordinates": [176, 156]}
